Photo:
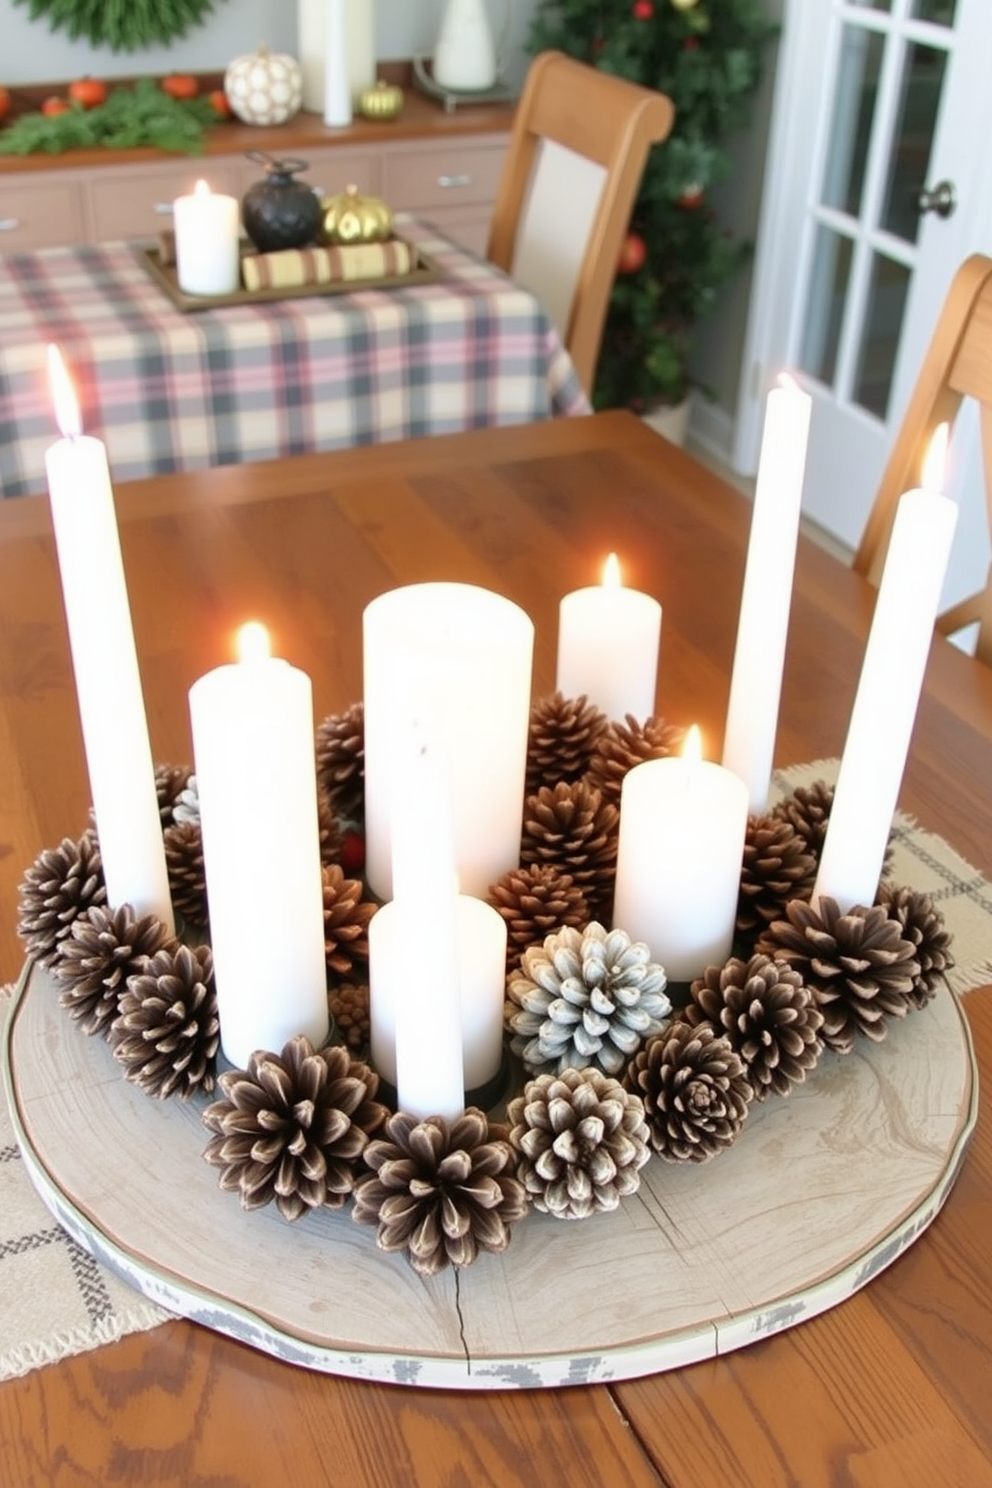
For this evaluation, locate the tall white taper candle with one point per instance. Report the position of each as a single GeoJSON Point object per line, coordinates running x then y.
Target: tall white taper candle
{"type": "Point", "coordinates": [105, 661]}
{"type": "Point", "coordinates": [888, 695]}
{"type": "Point", "coordinates": [756, 681]}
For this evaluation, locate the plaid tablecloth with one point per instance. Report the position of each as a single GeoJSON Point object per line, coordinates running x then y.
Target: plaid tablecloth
{"type": "Point", "coordinates": [174, 391]}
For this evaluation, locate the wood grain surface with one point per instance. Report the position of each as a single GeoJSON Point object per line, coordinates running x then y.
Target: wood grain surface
{"type": "Point", "coordinates": [892, 1388]}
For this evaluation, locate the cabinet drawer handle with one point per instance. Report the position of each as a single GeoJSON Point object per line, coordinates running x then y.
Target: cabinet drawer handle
{"type": "Point", "coordinates": [449, 181]}
{"type": "Point", "coordinates": [9, 224]}
{"type": "Point", "coordinates": [164, 209]}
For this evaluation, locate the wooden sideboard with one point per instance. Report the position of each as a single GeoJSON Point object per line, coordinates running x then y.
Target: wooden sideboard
{"type": "Point", "coordinates": [443, 167]}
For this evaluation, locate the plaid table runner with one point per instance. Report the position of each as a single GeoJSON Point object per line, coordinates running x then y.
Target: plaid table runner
{"type": "Point", "coordinates": [170, 391]}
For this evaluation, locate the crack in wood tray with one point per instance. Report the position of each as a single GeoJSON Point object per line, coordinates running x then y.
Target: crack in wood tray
{"type": "Point", "coordinates": [820, 1192]}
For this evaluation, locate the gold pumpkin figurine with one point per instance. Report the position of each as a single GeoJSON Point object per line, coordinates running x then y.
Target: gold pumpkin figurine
{"type": "Point", "coordinates": [382, 101]}
{"type": "Point", "coordinates": [351, 218]}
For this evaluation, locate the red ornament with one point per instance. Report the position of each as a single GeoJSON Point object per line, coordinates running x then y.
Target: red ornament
{"type": "Point", "coordinates": [690, 198]}
{"type": "Point", "coordinates": [633, 252]}
{"type": "Point", "coordinates": [352, 851]}
{"type": "Point", "coordinates": [643, 10]}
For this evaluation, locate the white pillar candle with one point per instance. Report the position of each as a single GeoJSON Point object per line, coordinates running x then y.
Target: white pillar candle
{"type": "Point", "coordinates": [337, 86]}
{"type": "Point", "coordinates": [429, 1067]}
{"type": "Point", "coordinates": [207, 227]}
{"type": "Point", "coordinates": [482, 983]}
{"type": "Point", "coordinates": [457, 658]}
{"type": "Point", "coordinates": [888, 694]}
{"type": "Point", "coordinates": [481, 939]}
{"type": "Point", "coordinates": [756, 681]}
{"type": "Point", "coordinates": [359, 19]}
{"type": "Point", "coordinates": [681, 846]}
{"type": "Point", "coordinates": [608, 642]}
{"type": "Point", "coordinates": [105, 662]}
{"type": "Point", "coordinates": [253, 732]}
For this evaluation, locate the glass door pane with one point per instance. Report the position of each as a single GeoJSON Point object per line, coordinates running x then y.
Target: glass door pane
{"type": "Point", "coordinates": [909, 160]}
{"type": "Point", "coordinates": [856, 91]}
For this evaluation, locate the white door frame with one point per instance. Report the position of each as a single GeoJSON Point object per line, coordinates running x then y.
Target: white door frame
{"type": "Point", "coordinates": [795, 155]}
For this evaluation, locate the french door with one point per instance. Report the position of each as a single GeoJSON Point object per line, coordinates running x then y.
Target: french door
{"type": "Point", "coordinates": [877, 187]}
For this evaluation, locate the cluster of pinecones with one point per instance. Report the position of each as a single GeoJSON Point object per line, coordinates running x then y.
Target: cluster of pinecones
{"type": "Point", "coordinates": [614, 1073]}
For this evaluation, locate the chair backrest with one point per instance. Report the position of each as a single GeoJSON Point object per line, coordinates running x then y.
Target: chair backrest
{"type": "Point", "coordinates": [576, 155]}
{"type": "Point", "coordinates": [957, 365]}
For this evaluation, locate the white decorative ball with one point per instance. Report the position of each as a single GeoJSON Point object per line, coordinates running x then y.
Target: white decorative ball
{"type": "Point", "coordinates": [264, 87]}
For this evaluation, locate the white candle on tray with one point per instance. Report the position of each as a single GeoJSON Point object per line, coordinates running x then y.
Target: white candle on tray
{"type": "Point", "coordinates": [207, 227]}
{"type": "Point", "coordinates": [424, 1000]}
{"type": "Point", "coordinates": [252, 724]}
{"type": "Point", "coordinates": [458, 658]}
{"type": "Point", "coordinates": [608, 643]}
{"type": "Point", "coordinates": [679, 856]}
{"type": "Point", "coordinates": [888, 694]}
{"type": "Point", "coordinates": [481, 970]}
{"type": "Point", "coordinates": [756, 682]}
{"type": "Point", "coordinates": [104, 661]}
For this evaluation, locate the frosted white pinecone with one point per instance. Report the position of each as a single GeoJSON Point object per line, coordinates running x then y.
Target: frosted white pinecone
{"type": "Point", "coordinates": [187, 807]}
{"type": "Point", "coordinates": [585, 997]}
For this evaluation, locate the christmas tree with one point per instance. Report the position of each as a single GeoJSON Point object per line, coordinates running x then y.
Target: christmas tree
{"type": "Point", "coordinates": [706, 55]}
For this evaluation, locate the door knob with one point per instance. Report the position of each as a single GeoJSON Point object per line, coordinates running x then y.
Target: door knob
{"type": "Point", "coordinates": [942, 199]}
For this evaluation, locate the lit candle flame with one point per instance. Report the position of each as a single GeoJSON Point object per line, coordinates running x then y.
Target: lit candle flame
{"type": "Point", "coordinates": [692, 748]}
{"type": "Point", "coordinates": [253, 642]}
{"type": "Point", "coordinates": [785, 381]}
{"type": "Point", "coordinates": [64, 398]}
{"type": "Point", "coordinates": [611, 572]}
{"type": "Point", "coordinates": [935, 460]}
{"type": "Point", "coordinates": [202, 188]}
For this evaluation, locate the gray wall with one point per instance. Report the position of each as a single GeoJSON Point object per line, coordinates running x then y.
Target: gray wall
{"type": "Point", "coordinates": [33, 54]}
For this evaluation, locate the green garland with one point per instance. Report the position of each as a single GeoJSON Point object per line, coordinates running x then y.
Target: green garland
{"type": "Point", "coordinates": [123, 25]}
{"type": "Point", "coordinates": [131, 117]}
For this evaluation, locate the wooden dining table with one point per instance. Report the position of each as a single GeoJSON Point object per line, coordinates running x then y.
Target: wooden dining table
{"type": "Point", "coordinates": [890, 1389]}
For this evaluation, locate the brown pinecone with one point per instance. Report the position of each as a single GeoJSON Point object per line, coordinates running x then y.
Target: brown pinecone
{"type": "Point", "coordinates": [858, 966]}
{"type": "Point", "coordinates": [560, 741]}
{"type": "Point", "coordinates": [329, 829]}
{"type": "Point", "coordinates": [62, 883]}
{"type": "Point", "coordinates": [778, 866]}
{"type": "Point", "coordinates": [807, 811]}
{"type": "Point", "coordinates": [768, 1016]}
{"type": "Point", "coordinates": [167, 1032]}
{"type": "Point", "coordinates": [573, 829]}
{"type": "Point", "coordinates": [535, 901]}
{"type": "Point", "coordinates": [440, 1190]}
{"type": "Point", "coordinates": [627, 744]}
{"type": "Point", "coordinates": [293, 1127]}
{"type": "Point", "coordinates": [341, 761]}
{"type": "Point", "coordinates": [184, 864]}
{"type": "Point", "coordinates": [580, 1140]}
{"type": "Point", "coordinates": [170, 782]}
{"type": "Point", "coordinates": [349, 1004]}
{"type": "Point", "coordinates": [695, 1090]}
{"type": "Point", "coordinates": [922, 925]}
{"type": "Point", "coordinates": [93, 963]}
{"type": "Point", "coordinates": [346, 922]}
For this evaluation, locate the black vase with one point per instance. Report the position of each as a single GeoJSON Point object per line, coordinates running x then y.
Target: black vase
{"type": "Point", "coordinates": [280, 212]}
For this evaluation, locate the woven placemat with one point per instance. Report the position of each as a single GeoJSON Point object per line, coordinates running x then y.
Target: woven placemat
{"type": "Point", "coordinates": [56, 1300]}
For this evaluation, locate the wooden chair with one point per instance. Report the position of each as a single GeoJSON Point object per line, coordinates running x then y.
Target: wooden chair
{"type": "Point", "coordinates": [577, 151]}
{"type": "Point", "coordinates": [957, 365]}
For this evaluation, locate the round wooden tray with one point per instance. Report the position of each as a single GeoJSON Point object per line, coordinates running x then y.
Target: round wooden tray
{"type": "Point", "coordinates": [820, 1192]}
